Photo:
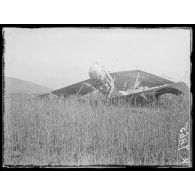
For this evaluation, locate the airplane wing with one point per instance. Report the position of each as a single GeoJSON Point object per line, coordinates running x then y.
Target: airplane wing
{"type": "Point", "coordinates": [126, 85]}
{"type": "Point", "coordinates": [86, 85]}
{"type": "Point", "coordinates": [151, 94]}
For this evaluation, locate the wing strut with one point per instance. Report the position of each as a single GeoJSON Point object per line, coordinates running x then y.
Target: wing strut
{"type": "Point", "coordinates": [136, 82]}
{"type": "Point", "coordinates": [82, 85]}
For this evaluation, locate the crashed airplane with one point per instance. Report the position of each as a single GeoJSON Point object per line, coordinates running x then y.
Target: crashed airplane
{"type": "Point", "coordinates": [128, 86]}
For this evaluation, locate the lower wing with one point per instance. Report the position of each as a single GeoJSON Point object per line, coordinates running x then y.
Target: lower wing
{"type": "Point", "coordinates": [152, 94]}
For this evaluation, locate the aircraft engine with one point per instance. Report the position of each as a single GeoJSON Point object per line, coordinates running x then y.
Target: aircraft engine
{"type": "Point", "coordinates": [99, 75]}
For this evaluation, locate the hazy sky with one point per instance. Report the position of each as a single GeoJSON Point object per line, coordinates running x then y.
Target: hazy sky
{"type": "Point", "coordinates": [57, 57]}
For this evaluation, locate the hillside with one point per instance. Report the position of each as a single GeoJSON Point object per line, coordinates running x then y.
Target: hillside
{"type": "Point", "coordinates": [13, 85]}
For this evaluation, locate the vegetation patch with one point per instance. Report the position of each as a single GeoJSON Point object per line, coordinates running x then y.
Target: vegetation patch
{"type": "Point", "coordinates": [68, 132]}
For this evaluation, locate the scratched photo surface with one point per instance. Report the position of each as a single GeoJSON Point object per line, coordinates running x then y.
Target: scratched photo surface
{"type": "Point", "coordinates": [77, 97]}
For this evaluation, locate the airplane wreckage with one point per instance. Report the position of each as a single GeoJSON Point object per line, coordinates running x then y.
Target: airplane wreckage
{"type": "Point", "coordinates": [134, 87]}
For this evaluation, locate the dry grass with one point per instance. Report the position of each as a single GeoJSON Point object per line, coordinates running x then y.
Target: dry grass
{"type": "Point", "coordinates": [65, 132]}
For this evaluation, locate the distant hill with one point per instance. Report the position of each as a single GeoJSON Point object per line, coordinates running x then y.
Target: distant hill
{"type": "Point", "coordinates": [13, 85]}
{"type": "Point", "coordinates": [123, 80]}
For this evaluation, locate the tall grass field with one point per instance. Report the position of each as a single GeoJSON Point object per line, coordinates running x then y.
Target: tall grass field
{"type": "Point", "coordinates": [57, 131]}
